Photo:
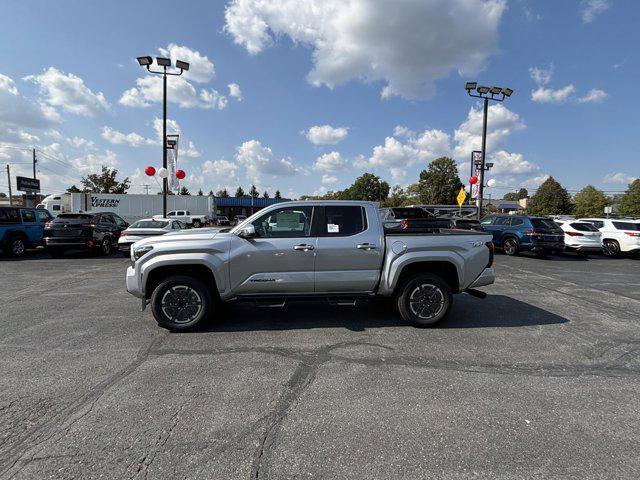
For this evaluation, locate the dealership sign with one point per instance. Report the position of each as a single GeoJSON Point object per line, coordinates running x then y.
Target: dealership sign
{"type": "Point", "coordinates": [26, 184]}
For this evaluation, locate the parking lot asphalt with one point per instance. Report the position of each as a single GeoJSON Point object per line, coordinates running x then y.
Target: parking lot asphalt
{"type": "Point", "coordinates": [539, 380]}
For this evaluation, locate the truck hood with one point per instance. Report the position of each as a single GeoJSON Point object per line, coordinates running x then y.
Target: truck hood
{"type": "Point", "coordinates": [195, 234]}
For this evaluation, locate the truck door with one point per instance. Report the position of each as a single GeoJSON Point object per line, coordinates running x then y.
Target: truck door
{"type": "Point", "coordinates": [350, 250]}
{"type": "Point", "coordinates": [280, 258]}
{"type": "Point", "coordinates": [32, 227]}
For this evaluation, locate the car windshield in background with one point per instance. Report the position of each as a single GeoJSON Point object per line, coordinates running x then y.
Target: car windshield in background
{"type": "Point", "coordinates": [544, 223]}
{"type": "Point", "coordinates": [584, 227]}
{"type": "Point", "coordinates": [409, 213]}
{"type": "Point", "coordinates": [627, 226]}
{"type": "Point", "coordinates": [149, 224]}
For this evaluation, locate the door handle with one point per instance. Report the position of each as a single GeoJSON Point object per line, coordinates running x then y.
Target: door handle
{"type": "Point", "coordinates": [365, 246]}
{"type": "Point", "coordinates": [304, 247]}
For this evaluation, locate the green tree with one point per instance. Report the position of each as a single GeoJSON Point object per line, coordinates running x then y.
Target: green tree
{"type": "Point", "coordinates": [74, 189]}
{"type": "Point", "coordinates": [366, 187]}
{"type": "Point", "coordinates": [211, 193]}
{"type": "Point", "coordinates": [223, 193]}
{"type": "Point", "coordinates": [550, 199]}
{"type": "Point", "coordinates": [515, 196]}
{"type": "Point", "coordinates": [630, 204]}
{"type": "Point", "coordinates": [277, 195]}
{"type": "Point", "coordinates": [183, 191]}
{"type": "Point", "coordinates": [523, 193]}
{"type": "Point", "coordinates": [254, 192]}
{"type": "Point", "coordinates": [589, 202]}
{"type": "Point", "coordinates": [440, 183]}
{"type": "Point", "coordinates": [265, 194]}
{"type": "Point", "coordinates": [200, 192]}
{"type": "Point", "coordinates": [239, 192]}
{"type": "Point", "coordinates": [397, 197]}
{"type": "Point", "coordinates": [105, 182]}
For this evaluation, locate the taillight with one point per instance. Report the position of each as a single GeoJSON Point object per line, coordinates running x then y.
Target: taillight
{"type": "Point", "coordinates": [90, 223]}
{"type": "Point", "coordinates": [405, 224]}
{"type": "Point", "coordinates": [575, 234]}
{"type": "Point", "coordinates": [532, 232]}
{"type": "Point", "coordinates": [491, 247]}
{"type": "Point", "coordinates": [633, 234]}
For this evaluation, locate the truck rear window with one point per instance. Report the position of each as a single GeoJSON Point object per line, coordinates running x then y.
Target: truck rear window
{"type": "Point", "coordinates": [409, 213]}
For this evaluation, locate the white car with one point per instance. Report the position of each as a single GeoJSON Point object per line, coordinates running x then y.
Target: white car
{"type": "Point", "coordinates": [619, 235]}
{"type": "Point", "coordinates": [582, 238]}
{"type": "Point", "coordinates": [147, 227]}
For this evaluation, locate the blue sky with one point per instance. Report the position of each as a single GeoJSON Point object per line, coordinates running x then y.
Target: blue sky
{"type": "Point", "coordinates": [380, 80]}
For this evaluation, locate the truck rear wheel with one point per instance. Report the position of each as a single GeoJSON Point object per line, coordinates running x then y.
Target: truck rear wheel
{"type": "Point", "coordinates": [197, 224]}
{"type": "Point", "coordinates": [181, 303]}
{"type": "Point", "coordinates": [16, 246]}
{"type": "Point", "coordinates": [424, 300]}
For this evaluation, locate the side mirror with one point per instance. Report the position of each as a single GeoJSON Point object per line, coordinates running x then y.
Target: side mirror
{"type": "Point", "coordinates": [247, 232]}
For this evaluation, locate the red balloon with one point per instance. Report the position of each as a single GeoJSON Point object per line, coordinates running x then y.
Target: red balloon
{"type": "Point", "coordinates": [180, 174]}
{"type": "Point", "coordinates": [473, 180]}
{"type": "Point", "coordinates": [150, 171]}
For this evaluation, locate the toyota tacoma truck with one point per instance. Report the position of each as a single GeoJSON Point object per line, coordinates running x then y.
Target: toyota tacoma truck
{"type": "Point", "coordinates": [337, 251]}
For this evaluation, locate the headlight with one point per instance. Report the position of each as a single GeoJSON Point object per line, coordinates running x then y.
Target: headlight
{"type": "Point", "coordinates": [140, 251]}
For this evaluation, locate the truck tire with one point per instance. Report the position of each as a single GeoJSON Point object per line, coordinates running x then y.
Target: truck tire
{"type": "Point", "coordinates": [16, 246]}
{"type": "Point", "coordinates": [197, 224]}
{"type": "Point", "coordinates": [424, 300]}
{"type": "Point", "coordinates": [511, 246]}
{"type": "Point", "coordinates": [181, 303]}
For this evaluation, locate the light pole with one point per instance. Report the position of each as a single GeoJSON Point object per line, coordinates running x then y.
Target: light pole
{"type": "Point", "coordinates": [164, 63]}
{"type": "Point", "coordinates": [486, 93]}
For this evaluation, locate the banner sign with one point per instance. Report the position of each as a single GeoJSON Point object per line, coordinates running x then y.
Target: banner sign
{"type": "Point", "coordinates": [172, 162]}
{"type": "Point", "coordinates": [26, 184]}
{"type": "Point", "coordinates": [476, 170]}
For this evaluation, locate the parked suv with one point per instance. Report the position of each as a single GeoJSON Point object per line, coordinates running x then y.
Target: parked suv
{"type": "Point", "coordinates": [21, 228]}
{"type": "Point", "coordinates": [618, 235]}
{"type": "Point", "coordinates": [515, 233]}
{"type": "Point", "coordinates": [83, 231]}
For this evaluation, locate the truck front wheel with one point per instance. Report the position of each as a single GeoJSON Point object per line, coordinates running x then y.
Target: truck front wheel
{"type": "Point", "coordinates": [181, 303]}
{"type": "Point", "coordinates": [424, 300]}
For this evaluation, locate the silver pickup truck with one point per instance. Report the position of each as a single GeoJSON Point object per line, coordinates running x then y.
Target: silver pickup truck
{"type": "Point", "coordinates": [333, 250]}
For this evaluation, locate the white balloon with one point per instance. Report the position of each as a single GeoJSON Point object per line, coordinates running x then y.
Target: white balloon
{"type": "Point", "coordinates": [163, 173]}
{"type": "Point", "coordinates": [491, 182]}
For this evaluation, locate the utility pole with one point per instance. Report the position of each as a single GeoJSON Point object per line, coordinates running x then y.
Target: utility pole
{"type": "Point", "coordinates": [484, 150]}
{"type": "Point", "coordinates": [9, 182]}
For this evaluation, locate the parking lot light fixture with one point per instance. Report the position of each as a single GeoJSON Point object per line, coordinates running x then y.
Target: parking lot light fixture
{"type": "Point", "coordinates": [497, 94]}
{"type": "Point", "coordinates": [164, 63]}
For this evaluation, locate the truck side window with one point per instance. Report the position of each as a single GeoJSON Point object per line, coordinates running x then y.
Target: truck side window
{"type": "Point", "coordinates": [344, 220]}
{"type": "Point", "coordinates": [9, 215]}
{"type": "Point", "coordinates": [286, 222]}
{"type": "Point", "coordinates": [28, 216]}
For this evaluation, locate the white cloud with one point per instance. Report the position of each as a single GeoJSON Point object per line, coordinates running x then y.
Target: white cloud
{"type": "Point", "coordinates": [17, 136]}
{"type": "Point", "coordinates": [132, 139]}
{"type": "Point", "coordinates": [68, 92]}
{"type": "Point", "coordinates": [190, 151]}
{"type": "Point", "coordinates": [468, 135]}
{"type": "Point", "coordinates": [618, 178]}
{"type": "Point", "coordinates": [595, 95]}
{"type": "Point", "coordinates": [534, 182]}
{"type": "Point", "coordinates": [330, 162]}
{"type": "Point", "coordinates": [92, 162]}
{"type": "Point", "coordinates": [510, 163]}
{"type": "Point", "coordinates": [235, 92]}
{"type": "Point", "coordinates": [186, 147]}
{"type": "Point", "coordinates": [201, 69]}
{"type": "Point", "coordinates": [179, 91]}
{"type": "Point", "coordinates": [259, 160]}
{"type": "Point", "coordinates": [549, 95]}
{"type": "Point", "coordinates": [402, 131]}
{"type": "Point", "coordinates": [220, 170]}
{"type": "Point", "coordinates": [326, 134]}
{"type": "Point", "coordinates": [79, 142]}
{"type": "Point", "coordinates": [327, 179]}
{"type": "Point", "coordinates": [17, 111]}
{"type": "Point", "coordinates": [397, 156]}
{"type": "Point", "coordinates": [542, 76]}
{"type": "Point", "coordinates": [592, 8]}
{"type": "Point", "coordinates": [408, 48]}
{"type": "Point", "coordinates": [53, 133]}
{"type": "Point", "coordinates": [212, 99]}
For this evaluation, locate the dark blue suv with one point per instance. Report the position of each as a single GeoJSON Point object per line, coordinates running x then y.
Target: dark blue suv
{"type": "Point", "coordinates": [515, 233]}
{"type": "Point", "coordinates": [21, 228]}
